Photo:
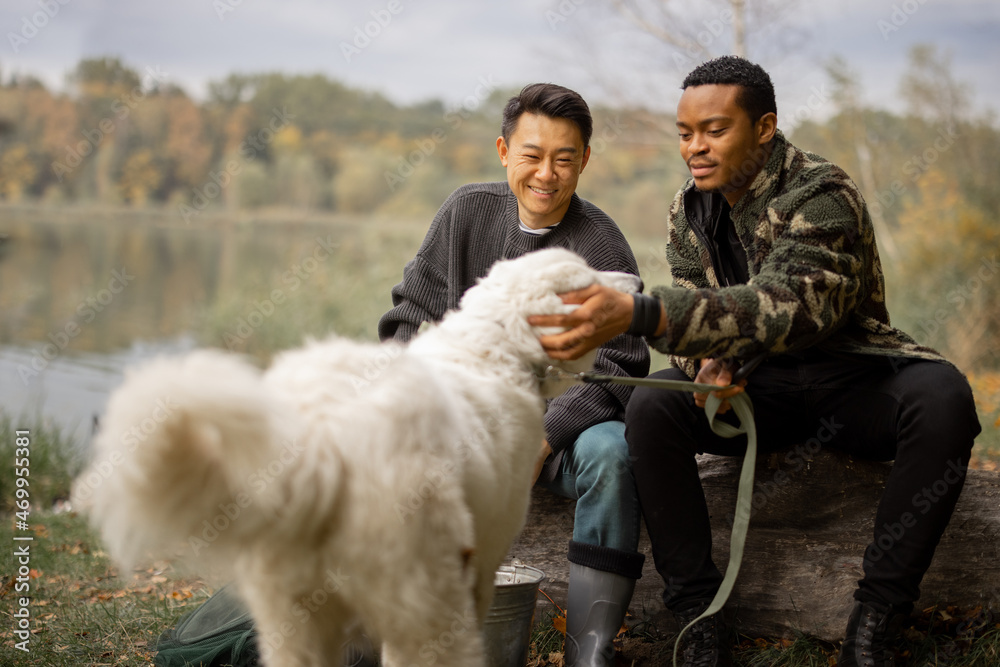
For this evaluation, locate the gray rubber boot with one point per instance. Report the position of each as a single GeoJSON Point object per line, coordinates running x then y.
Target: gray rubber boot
{"type": "Point", "coordinates": [359, 652]}
{"type": "Point", "coordinates": [594, 614]}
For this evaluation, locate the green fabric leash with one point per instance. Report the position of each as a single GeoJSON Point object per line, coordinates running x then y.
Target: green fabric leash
{"type": "Point", "coordinates": [744, 411]}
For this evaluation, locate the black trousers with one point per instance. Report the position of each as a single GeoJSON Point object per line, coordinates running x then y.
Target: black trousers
{"type": "Point", "coordinates": [918, 413]}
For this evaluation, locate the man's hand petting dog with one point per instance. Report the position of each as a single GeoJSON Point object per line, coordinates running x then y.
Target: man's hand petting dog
{"type": "Point", "coordinates": [604, 313]}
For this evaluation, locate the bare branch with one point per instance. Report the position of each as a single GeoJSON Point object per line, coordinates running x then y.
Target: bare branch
{"type": "Point", "coordinates": [652, 28]}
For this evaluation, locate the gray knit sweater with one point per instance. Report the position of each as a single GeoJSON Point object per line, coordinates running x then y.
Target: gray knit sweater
{"type": "Point", "coordinates": [478, 225]}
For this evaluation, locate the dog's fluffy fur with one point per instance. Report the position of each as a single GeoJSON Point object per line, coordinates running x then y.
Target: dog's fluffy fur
{"type": "Point", "coordinates": [353, 486]}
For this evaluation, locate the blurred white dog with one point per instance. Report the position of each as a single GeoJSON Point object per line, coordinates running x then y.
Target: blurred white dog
{"type": "Point", "coordinates": [353, 486]}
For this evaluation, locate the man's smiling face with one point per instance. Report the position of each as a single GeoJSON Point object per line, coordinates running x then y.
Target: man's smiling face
{"type": "Point", "coordinates": [544, 159]}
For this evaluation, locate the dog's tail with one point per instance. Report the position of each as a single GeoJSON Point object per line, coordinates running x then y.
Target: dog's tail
{"type": "Point", "coordinates": [176, 454]}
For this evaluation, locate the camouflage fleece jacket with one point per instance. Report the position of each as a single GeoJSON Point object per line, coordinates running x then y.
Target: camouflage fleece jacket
{"type": "Point", "coordinates": [815, 275]}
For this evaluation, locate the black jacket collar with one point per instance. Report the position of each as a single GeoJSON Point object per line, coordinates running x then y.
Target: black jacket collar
{"type": "Point", "coordinates": [708, 215]}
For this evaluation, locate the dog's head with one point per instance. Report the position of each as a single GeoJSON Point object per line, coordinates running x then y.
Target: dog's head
{"type": "Point", "coordinates": [530, 285]}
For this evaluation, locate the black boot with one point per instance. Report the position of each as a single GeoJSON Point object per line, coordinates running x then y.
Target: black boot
{"type": "Point", "coordinates": [871, 631]}
{"type": "Point", "coordinates": [706, 644]}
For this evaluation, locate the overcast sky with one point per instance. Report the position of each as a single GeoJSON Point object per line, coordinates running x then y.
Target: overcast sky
{"type": "Point", "coordinates": [444, 49]}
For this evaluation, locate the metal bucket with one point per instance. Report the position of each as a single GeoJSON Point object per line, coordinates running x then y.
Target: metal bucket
{"type": "Point", "coordinates": [507, 628]}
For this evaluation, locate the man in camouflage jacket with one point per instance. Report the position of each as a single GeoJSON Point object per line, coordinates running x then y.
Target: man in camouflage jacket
{"type": "Point", "coordinates": [774, 261]}
{"type": "Point", "coordinates": [815, 275]}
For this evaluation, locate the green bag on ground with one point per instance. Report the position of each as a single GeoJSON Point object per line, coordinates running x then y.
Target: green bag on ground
{"type": "Point", "coordinates": [219, 633]}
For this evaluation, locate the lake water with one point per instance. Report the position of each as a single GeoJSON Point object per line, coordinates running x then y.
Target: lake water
{"type": "Point", "coordinates": [73, 388]}
{"type": "Point", "coordinates": [82, 297]}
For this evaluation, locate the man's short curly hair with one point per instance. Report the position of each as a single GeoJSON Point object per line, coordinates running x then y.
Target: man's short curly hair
{"type": "Point", "coordinates": [756, 95]}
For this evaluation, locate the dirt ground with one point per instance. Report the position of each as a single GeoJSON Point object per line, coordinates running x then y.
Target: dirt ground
{"type": "Point", "coordinates": [634, 652]}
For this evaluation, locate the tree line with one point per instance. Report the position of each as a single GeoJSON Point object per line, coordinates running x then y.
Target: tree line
{"type": "Point", "coordinates": [126, 137]}
{"type": "Point", "coordinates": [131, 137]}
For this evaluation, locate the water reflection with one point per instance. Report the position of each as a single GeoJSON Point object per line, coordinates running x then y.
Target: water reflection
{"type": "Point", "coordinates": [82, 297]}
{"type": "Point", "coordinates": [73, 389]}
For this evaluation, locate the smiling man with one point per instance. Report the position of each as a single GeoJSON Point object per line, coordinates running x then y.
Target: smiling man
{"type": "Point", "coordinates": [773, 258]}
{"type": "Point", "coordinates": [544, 145]}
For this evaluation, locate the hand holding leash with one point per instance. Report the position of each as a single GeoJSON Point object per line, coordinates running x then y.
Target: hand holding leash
{"type": "Point", "coordinates": [718, 372]}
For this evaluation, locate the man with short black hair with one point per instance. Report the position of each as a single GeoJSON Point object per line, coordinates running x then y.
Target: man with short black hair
{"type": "Point", "coordinates": [773, 258]}
{"type": "Point", "coordinates": [544, 145]}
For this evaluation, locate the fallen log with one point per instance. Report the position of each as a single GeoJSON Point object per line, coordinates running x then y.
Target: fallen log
{"type": "Point", "coordinates": [809, 528]}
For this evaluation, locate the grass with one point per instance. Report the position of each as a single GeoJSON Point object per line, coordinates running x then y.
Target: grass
{"type": "Point", "coordinates": [801, 651]}
{"type": "Point", "coordinates": [952, 637]}
{"type": "Point", "coordinates": [935, 638]}
{"type": "Point", "coordinates": [53, 461]}
{"type": "Point", "coordinates": [545, 638]}
{"type": "Point", "coordinates": [82, 611]}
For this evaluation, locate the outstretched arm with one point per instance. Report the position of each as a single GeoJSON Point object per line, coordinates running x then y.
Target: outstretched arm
{"type": "Point", "coordinates": [603, 314]}
{"type": "Point", "coordinates": [806, 289]}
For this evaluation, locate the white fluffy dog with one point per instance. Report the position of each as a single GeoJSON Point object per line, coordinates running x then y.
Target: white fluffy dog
{"type": "Point", "coordinates": [353, 486]}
